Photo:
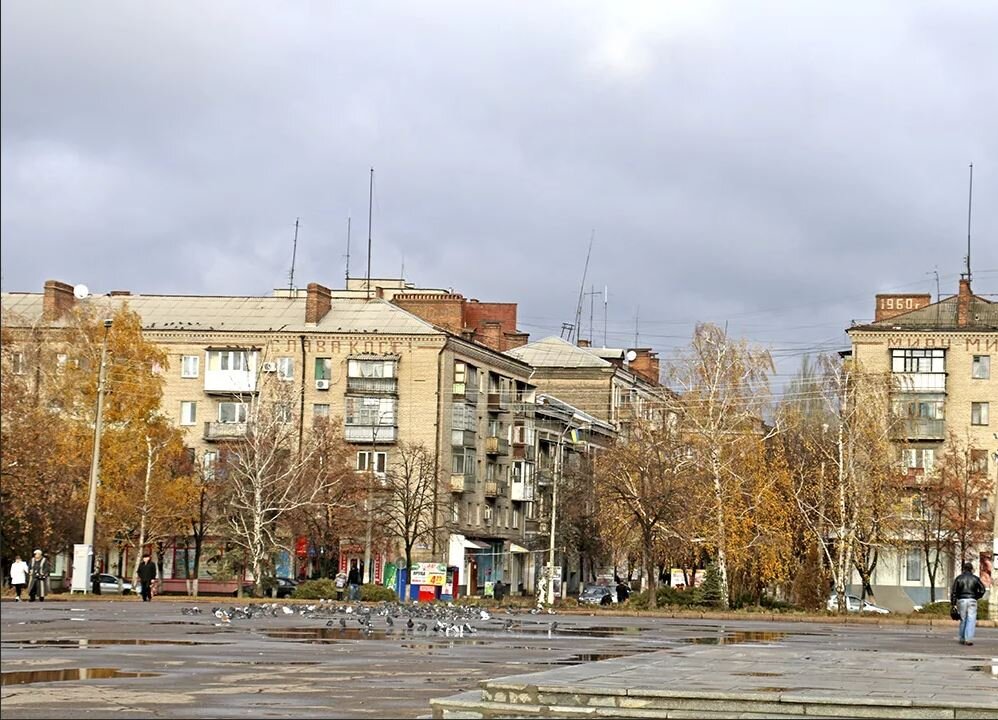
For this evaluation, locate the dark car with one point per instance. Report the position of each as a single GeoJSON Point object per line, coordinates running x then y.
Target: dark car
{"type": "Point", "coordinates": [597, 595]}
{"type": "Point", "coordinates": [285, 587]}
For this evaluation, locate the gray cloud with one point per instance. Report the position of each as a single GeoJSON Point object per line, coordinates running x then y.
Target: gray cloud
{"type": "Point", "coordinates": [768, 165]}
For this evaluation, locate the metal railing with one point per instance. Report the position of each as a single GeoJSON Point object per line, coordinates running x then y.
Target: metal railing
{"type": "Point", "coordinates": [376, 385]}
{"type": "Point", "coordinates": [370, 433]}
{"type": "Point", "coordinates": [919, 429]}
{"type": "Point", "coordinates": [215, 431]}
{"type": "Point", "coordinates": [496, 446]}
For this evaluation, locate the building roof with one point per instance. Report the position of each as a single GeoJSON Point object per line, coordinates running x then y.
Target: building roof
{"type": "Point", "coordinates": [238, 314]}
{"type": "Point", "coordinates": [556, 352]}
{"type": "Point", "coordinates": [942, 316]}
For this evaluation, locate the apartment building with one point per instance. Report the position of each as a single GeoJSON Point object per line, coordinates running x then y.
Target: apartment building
{"type": "Point", "coordinates": [611, 384]}
{"type": "Point", "coordinates": [940, 356]}
{"type": "Point", "coordinates": [351, 354]}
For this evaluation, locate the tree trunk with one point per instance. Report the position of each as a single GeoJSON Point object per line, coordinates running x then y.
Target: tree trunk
{"type": "Point", "coordinates": [722, 554]}
{"type": "Point", "coordinates": [648, 564]}
{"type": "Point", "coordinates": [144, 512]}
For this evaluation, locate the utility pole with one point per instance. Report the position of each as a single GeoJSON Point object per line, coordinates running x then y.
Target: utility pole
{"type": "Point", "coordinates": [993, 596]}
{"type": "Point", "coordinates": [370, 217]}
{"type": "Point", "coordinates": [91, 517]}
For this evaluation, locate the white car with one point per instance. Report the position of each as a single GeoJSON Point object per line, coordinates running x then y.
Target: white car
{"type": "Point", "coordinates": [110, 585]}
{"type": "Point", "coordinates": [854, 604]}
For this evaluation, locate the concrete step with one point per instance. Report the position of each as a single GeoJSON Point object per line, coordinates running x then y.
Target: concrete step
{"type": "Point", "coordinates": [510, 700]}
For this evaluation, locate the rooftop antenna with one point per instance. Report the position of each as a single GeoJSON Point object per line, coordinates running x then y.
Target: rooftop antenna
{"type": "Point", "coordinates": [970, 206]}
{"type": "Point", "coordinates": [604, 314]}
{"type": "Point", "coordinates": [582, 289]}
{"type": "Point", "coordinates": [402, 276]}
{"type": "Point", "coordinates": [348, 250]}
{"type": "Point", "coordinates": [370, 215]}
{"type": "Point", "coordinates": [566, 329]}
{"type": "Point", "coordinates": [637, 313]}
{"type": "Point", "coordinates": [294, 252]}
{"type": "Point", "coordinates": [593, 292]}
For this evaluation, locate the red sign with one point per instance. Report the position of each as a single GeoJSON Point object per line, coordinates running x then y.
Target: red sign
{"type": "Point", "coordinates": [301, 546]}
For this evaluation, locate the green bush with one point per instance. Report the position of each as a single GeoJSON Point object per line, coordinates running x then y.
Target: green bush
{"type": "Point", "coordinates": [376, 593]}
{"type": "Point", "coordinates": [941, 609]}
{"type": "Point", "coordinates": [666, 596]}
{"type": "Point", "coordinates": [709, 593]}
{"type": "Point", "coordinates": [323, 589]}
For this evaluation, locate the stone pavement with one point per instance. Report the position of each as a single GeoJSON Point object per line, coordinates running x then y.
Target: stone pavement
{"type": "Point", "coordinates": [94, 659]}
{"type": "Point", "coordinates": [767, 675]}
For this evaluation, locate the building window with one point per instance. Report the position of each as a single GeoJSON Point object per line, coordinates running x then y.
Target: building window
{"type": "Point", "coordinates": [60, 360]}
{"type": "Point", "coordinates": [190, 365]}
{"type": "Point", "coordinates": [460, 378]}
{"type": "Point", "coordinates": [285, 368]}
{"type": "Point", "coordinates": [17, 363]}
{"type": "Point", "coordinates": [283, 413]}
{"type": "Point", "coordinates": [371, 376]}
{"type": "Point", "coordinates": [979, 462]}
{"type": "Point", "coordinates": [323, 368]}
{"type": "Point", "coordinates": [981, 367]}
{"type": "Point", "coordinates": [188, 412]}
{"type": "Point", "coordinates": [979, 413]}
{"type": "Point", "coordinates": [916, 360]}
{"type": "Point", "coordinates": [228, 360]}
{"type": "Point", "coordinates": [918, 458]}
{"type": "Point", "coordinates": [455, 512]}
{"type": "Point", "coordinates": [320, 410]}
{"type": "Point", "coordinates": [209, 464]}
{"type": "Point", "coordinates": [983, 508]}
{"type": "Point", "coordinates": [232, 412]}
{"type": "Point", "coordinates": [376, 462]}
{"type": "Point", "coordinates": [371, 411]}
{"type": "Point", "coordinates": [516, 518]}
{"type": "Point", "coordinates": [913, 566]}
{"type": "Point", "coordinates": [927, 407]}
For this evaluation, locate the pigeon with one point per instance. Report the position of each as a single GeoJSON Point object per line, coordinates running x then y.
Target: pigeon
{"type": "Point", "coordinates": [343, 624]}
{"type": "Point", "coordinates": [329, 623]}
{"type": "Point", "coordinates": [388, 619]}
{"type": "Point", "coordinates": [287, 610]}
{"type": "Point", "coordinates": [421, 627]}
{"type": "Point", "coordinates": [409, 623]}
{"type": "Point", "coordinates": [485, 615]}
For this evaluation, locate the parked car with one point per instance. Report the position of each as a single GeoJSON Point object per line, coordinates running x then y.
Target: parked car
{"type": "Point", "coordinates": [111, 585]}
{"type": "Point", "coordinates": [285, 587]}
{"type": "Point", "coordinates": [854, 604]}
{"type": "Point", "coordinates": [597, 595]}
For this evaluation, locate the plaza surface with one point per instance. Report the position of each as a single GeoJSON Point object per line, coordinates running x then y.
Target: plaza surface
{"type": "Point", "coordinates": [149, 659]}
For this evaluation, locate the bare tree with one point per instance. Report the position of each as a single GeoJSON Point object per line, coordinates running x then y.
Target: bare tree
{"type": "Point", "coordinates": [276, 470]}
{"type": "Point", "coordinates": [408, 497]}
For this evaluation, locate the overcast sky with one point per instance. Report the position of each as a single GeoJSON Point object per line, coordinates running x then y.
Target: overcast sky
{"type": "Point", "coordinates": [764, 164]}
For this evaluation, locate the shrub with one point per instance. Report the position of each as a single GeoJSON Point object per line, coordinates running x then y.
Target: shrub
{"type": "Point", "coordinates": [665, 596]}
{"type": "Point", "coordinates": [323, 589]}
{"type": "Point", "coordinates": [374, 593]}
{"type": "Point", "coordinates": [941, 609]}
{"type": "Point", "coordinates": [709, 593]}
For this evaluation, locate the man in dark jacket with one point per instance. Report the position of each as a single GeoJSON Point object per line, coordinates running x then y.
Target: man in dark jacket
{"type": "Point", "coordinates": [146, 573]}
{"type": "Point", "coordinates": [967, 590]}
{"type": "Point", "coordinates": [353, 583]}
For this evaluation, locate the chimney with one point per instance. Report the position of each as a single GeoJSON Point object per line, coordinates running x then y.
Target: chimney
{"type": "Point", "coordinates": [646, 364]}
{"type": "Point", "coordinates": [58, 300]}
{"type": "Point", "coordinates": [118, 293]}
{"type": "Point", "coordinates": [963, 303]}
{"type": "Point", "coordinates": [585, 343]}
{"type": "Point", "coordinates": [889, 306]}
{"type": "Point", "coordinates": [317, 303]}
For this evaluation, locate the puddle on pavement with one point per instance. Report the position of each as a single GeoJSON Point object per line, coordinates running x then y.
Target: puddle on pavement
{"type": "Point", "coordinates": [87, 642]}
{"type": "Point", "coordinates": [334, 634]}
{"type": "Point", "coordinates": [991, 670]}
{"type": "Point", "coordinates": [23, 677]}
{"type": "Point", "coordinates": [770, 689]}
{"type": "Point", "coordinates": [735, 638]}
{"type": "Point", "coordinates": [758, 674]}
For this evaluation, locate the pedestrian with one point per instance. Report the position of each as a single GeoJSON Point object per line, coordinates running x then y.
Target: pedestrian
{"type": "Point", "coordinates": [95, 578]}
{"type": "Point", "coordinates": [147, 574]}
{"type": "Point", "coordinates": [38, 576]}
{"type": "Point", "coordinates": [623, 592]}
{"type": "Point", "coordinates": [340, 582]}
{"type": "Point", "coordinates": [499, 590]}
{"type": "Point", "coordinates": [18, 576]}
{"type": "Point", "coordinates": [353, 580]}
{"type": "Point", "coordinates": [966, 591]}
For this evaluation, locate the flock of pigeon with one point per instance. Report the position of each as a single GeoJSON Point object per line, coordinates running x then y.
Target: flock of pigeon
{"type": "Point", "coordinates": [447, 619]}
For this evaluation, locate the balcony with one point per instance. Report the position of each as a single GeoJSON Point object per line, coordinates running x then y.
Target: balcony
{"type": "Point", "coordinates": [219, 431]}
{"type": "Point", "coordinates": [919, 429]}
{"type": "Point", "coordinates": [520, 491]}
{"type": "Point", "coordinates": [370, 434]}
{"type": "Point", "coordinates": [531, 526]}
{"type": "Point", "coordinates": [524, 452]}
{"type": "Point", "coordinates": [494, 488]}
{"type": "Point", "coordinates": [226, 382]}
{"type": "Point", "coordinates": [468, 395]}
{"type": "Point", "coordinates": [524, 409]}
{"type": "Point", "coordinates": [462, 438]}
{"type": "Point", "coordinates": [920, 382]}
{"type": "Point", "coordinates": [496, 446]}
{"type": "Point", "coordinates": [499, 402]}
{"type": "Point", "coordinates": [373, 385]}
{"type": "Point", "coordinates": [461, 483]}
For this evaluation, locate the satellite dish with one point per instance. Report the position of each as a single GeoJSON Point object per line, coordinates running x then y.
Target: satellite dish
{"type": "Point", "coordinates": [81, 291]}
{"type": "Point", "coordinates": [631, 356]}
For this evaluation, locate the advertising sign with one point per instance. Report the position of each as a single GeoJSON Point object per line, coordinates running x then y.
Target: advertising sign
{"type": "Point", "coordinates": [428, 574]}
{"type": "Point", "coordinates": [678, 580]}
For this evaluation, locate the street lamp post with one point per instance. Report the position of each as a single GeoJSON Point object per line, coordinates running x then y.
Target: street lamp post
{"type": "Point", "coordinates": [993, 596]}
{"type": "Point", "coordinates": [558, 465]}
{"type": "Point", "coordinates": [83, 558]}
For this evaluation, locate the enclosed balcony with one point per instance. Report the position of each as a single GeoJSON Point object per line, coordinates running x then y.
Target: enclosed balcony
{"type": "Point", "coordinates": [918, 429]}
{"type": "Point", "coordinates": [920, 382]}
{"type": "Point", "coordinates": [521, 491]}
{"type": "Point", "coordinates": [493, 488]}
{"type": "Point", "coordinates": [496, 446]}
{"type": "Point", "coordinates": [371, 434]}
{"type": "Point", "coordinates": [524, 452]}
{"type": "Point", "coordinates": [223, 431]}
{"type": "Point", "coordinates": [461, 483]}
{"type": "Point", "coordinates": [462, 438]}
{"type": "Point", "coordinates": [373, 385]}
{"type": "Point", "coordinates": [499, 401]}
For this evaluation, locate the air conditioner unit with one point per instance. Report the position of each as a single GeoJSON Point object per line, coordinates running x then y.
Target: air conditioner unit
{"type": "Point", "coordinates": [321, 384]}
{"type": "Point", "coordinates": [269, 367]}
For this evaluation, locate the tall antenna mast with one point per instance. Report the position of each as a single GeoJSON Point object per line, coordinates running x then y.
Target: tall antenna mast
{"type": "Point", "coordinates": [348, 251]}
{"type": "Point", "coordinates": [637, 313]}
{"type": "Point", "coordinates": [294, 253]}
{"type": "Point", "coordinates": [604, 314]}
{"type": "Point", "coordinates": [582, 289]}
{"type": "Point", "coordinates": [370, 216]}
{"type": "Point", "coordinates": [970, 206]}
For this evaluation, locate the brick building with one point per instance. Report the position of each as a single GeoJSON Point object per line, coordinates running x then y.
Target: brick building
{"type": "Point", "coordinates": [390, 375]}
{"type": "Point", "coordinates": [940, 356]}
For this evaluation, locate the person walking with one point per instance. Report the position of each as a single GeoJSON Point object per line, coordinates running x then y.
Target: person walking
{"type": "Point", "coordinates": [966, 591]}
{"type": "Point", "coordinates": [340, 582]}
{"type": "Point", "coordinates": [353, 580]}
{"type": "Point", "coordinates": [147, 574]}
{"type": "Point", "coordinates": [18, 576]}
{"type": "Point", "coordinates": [38, 576]}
